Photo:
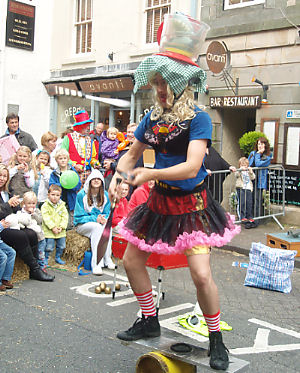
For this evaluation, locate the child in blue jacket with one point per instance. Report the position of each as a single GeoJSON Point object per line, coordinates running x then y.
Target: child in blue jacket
{"type": "Point", "coordinates": [92, 209]}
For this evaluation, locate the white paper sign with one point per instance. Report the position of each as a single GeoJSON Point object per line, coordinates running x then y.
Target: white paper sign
{"type": "Point", "coordinates": [8, 146]}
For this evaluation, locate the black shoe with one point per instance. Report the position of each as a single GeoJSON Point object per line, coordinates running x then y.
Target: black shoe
{"type": "Point", "coordinates": [218, 352]}
{"type": "Point", "coordinates": [142, 328]}
{"type": "Point", "coordinates": [40, 275]}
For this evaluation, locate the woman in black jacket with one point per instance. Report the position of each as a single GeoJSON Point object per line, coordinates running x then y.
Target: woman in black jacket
{"type": "Point", "coordinates": [24, 241]}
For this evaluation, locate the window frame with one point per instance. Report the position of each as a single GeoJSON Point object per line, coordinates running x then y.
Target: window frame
{"type": "Point", "coordinates": [85, 22]}
{"type": "Point", "coordinates": [276, 132]}
{"type": "Point", "coordinates": [227, 6]}
{"type": "Point", "coordinates": [167, 4]}
{"type": "Point", "coordinates": [285, 146]}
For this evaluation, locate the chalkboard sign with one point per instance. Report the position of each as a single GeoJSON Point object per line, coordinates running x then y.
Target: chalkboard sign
{"type": "Point", "coordinates": [292, 187]}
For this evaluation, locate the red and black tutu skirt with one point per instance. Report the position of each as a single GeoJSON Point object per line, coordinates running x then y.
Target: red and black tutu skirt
{"type": "Point", "coordinates": [173, 220]}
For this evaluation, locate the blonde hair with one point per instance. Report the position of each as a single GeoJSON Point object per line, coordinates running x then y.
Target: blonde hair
{"type": "Point", "coordinates": [3, 167]}
{"type": "Point", "coordinates": [131, 125]}
{"type": "Point", "coordinates": [29, 197]}
{"type": "Point", "coordinates": [243, 159]}
{"type": "Point", "coordinates": [61, 152]}
{"type": "Point", "coordinates": [48, 136]}
{"type": "Point", "coordinates": [112, 130]}
{"type": "Point", "coordinates": [181, 109]}
{"type": "Point", "coordinates": [31, 163]}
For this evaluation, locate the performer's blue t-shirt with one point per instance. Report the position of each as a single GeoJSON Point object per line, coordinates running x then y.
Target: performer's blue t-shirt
{"type": "Point", "coordinates": [170, 143]}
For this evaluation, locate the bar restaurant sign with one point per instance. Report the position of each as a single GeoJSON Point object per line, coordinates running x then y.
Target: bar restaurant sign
{"type": "Point", "coordinates": [235, 102]}
{"type": "Point", "coordinates": [20, 25]}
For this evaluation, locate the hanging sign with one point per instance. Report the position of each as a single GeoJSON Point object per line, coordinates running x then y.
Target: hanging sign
{"type": "Point", "coordinates": [217, 57]}
{"type": "Point", "coordinates": [20, 25]}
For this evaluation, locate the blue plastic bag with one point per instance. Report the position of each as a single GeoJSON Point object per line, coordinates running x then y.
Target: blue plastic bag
{"type": "Point", "coordinates": [270, 268]}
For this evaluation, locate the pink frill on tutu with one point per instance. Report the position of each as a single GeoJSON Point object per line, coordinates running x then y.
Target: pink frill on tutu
{"type": "Point", "coordinates": [184, 241]}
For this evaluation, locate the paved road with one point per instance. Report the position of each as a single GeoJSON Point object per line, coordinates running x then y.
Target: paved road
{"type": "Point", "coordinates": [55, 327]}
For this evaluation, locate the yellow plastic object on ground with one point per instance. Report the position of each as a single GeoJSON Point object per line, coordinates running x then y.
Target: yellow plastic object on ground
{"type": "Point", "coordinates": [159, 363]}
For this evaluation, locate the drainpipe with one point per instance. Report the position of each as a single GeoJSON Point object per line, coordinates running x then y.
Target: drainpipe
{"type": "Point", "coordinates": [53, 114]}
{"type": "Point", "coordinates": [194, 8]}
{"type": "Point", "coordinates": [132, 104]}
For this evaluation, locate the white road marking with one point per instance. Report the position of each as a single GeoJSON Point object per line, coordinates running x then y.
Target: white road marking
{"type": "Point", "coordinates": [292, 333]}
{"type": "Point", "coordinates": [276, 348]}
{"type": "Point", "coordinates": [120, 302]}
{"type": "Point", "coordinates": [85, 290]}
{"type": "Point", "coordinates": [261, 340]}
{"type": "Point", "coordinates": [179, 307]}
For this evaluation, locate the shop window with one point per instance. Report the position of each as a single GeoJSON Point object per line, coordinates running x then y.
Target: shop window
{"type": "Point", "coordinates": [231, 4]}
{"type": "Point", "coordinates": [270, 128]}
{"type": "Point", "coordinates": [155, 11]}
{"type": "Point", "coordinates": [83, 26]}
{"type": "Point", "coordinates": [291, 146]}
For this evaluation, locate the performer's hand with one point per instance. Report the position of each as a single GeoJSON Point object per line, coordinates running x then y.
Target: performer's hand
{"type": "Point", "coordinates": [140, 175]}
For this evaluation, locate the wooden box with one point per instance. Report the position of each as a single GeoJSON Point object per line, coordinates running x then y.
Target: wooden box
{"type": "Point", "coordinates": [283, 241]}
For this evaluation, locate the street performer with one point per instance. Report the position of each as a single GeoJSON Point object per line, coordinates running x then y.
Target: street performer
{"type": "Point", "coordinates": [82, 150]}
{"type": "Point", "coordinates": [180, 215]}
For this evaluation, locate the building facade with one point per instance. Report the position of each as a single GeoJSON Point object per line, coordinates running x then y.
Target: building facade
{"type": "Point", "coordinates": [25, 34]}
{"type": "Point", "coordinates": [251, 55]}
{"type": "Point", "coordinates": [254, 78]}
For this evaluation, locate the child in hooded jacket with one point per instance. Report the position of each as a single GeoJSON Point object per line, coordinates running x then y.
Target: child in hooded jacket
{"type": "Point", "coordinates": [92, 209]}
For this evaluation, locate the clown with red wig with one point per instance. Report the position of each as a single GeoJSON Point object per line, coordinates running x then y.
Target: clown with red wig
{"type": "Point", "coordinates": [81, 148]}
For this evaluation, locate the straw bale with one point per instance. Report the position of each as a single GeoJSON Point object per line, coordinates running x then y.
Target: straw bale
{"type": "Point", "coordinates": [21, 271]}
{"type": "Point", "coordinates": [76, 245]}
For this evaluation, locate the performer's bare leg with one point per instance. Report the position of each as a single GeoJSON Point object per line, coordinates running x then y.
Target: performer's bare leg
{"type": "Point", "coordinates": [208, 299]}
{"type": "Point", "coordinates": [207, 291]}
{"type": "Point", "coordinates": [134, 261]}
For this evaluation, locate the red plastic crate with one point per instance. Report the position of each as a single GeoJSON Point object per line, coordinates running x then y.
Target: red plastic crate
{"type": "Point", "coordinates": [155, 260]}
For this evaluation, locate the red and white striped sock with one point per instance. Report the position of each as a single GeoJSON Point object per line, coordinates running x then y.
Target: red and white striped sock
{"type": "Point", "coordinates": [213, 322]}
{"type": "Point", "coordinates": [146, 303]}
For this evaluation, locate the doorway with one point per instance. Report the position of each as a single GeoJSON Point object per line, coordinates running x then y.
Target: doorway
{"type": "Point", "coordinates": [236, 122]}
{"type": "Point", "coordinates": [122, 119]}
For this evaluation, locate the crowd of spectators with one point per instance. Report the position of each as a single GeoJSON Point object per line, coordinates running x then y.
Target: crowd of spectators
{"type": "Point", "coordinates": [36, 208]}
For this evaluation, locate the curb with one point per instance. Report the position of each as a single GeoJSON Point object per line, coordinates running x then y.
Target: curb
{"type": "Point", "coordinates": [244, 251]}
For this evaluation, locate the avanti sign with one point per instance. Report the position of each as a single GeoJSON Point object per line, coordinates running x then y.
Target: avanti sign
{"type": "Point", "coordinates": [217, 57]}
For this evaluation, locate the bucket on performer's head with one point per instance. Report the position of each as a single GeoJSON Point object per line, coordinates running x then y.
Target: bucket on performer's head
{"type": "Point", "coordinates": [182, 34]}
{"type": "Point", "coordinates": [156, 362]}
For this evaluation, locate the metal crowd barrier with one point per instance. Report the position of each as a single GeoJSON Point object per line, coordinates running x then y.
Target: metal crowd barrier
{"type": "Point", "coordinates": [266, 203]}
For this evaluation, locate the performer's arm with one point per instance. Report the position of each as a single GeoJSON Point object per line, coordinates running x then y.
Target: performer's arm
{"type": "Point", "coordinates": [185, 170]}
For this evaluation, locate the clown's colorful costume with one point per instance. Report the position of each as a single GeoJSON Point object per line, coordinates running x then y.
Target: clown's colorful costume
{"type": "Point", "coordinates": [81, 148]}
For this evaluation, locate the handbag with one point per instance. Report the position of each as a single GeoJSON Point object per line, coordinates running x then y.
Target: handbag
{"type": "Point", "coordinates": [270, 268]}
{"type": "Point", "coordinates": [86, 263]}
